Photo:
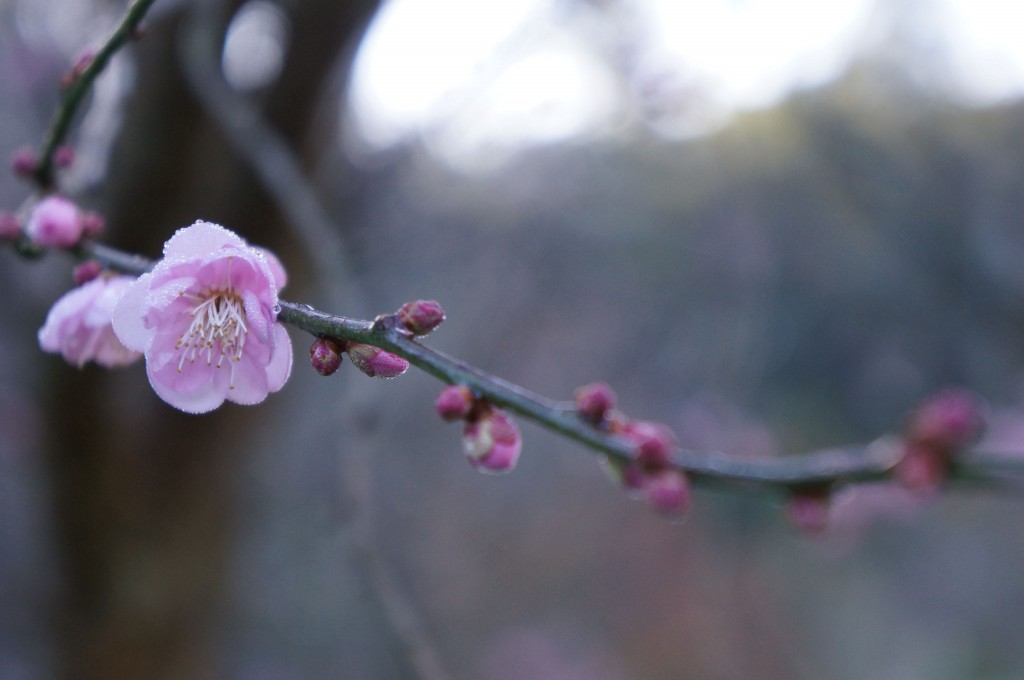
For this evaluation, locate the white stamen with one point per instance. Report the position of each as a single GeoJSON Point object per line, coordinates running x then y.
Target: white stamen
{"type": "Point", "coordinates": [218, 329]}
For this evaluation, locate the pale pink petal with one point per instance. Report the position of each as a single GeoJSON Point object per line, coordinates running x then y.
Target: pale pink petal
{"type": "Point", "coordinates": [248, 383]}
{"type": "Point", "coordinates": [276, 268]}
{"type": "Point", "coordinates": [280, 366]}
{"type": "Point", "coordinates": [203, 399]}
{"type": "Point", "coordinates": [129, 314]}
{"type": "Point", "coordinates": [200, 241]}
{"type": "Point", "coordinates": [259, 324]}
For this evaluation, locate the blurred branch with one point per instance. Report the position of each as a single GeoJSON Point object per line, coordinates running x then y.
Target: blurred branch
{"type": "Point", "coordinates": [80, 84]}
{"type": "Point", "coordinates": [261, 147]}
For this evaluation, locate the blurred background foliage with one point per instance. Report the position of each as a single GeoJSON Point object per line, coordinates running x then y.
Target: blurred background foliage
{"type": "Point", "coordinates": [767, 276]}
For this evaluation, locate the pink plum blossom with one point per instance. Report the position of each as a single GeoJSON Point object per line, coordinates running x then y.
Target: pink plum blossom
{"type": "Point", "coordinates": [55, 223]}
{"type": "Point", "coordinates": [206, 319]}
{"type": "Point", "coordinates": [79, 324]}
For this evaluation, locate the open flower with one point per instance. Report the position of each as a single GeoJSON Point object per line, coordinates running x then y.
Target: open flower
{"type": "Point", "coordinates": [206, 319]}
{"type": "Point", "coordinates": [78, 325]}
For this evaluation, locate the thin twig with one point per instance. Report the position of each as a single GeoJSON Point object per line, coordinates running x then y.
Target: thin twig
{"type": "Point", "coordinates": [857, 463]}
{"type": "Point", "coordinates": [80, 85]}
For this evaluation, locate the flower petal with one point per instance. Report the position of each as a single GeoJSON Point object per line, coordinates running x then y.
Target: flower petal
{"type": "Point", "coordinates": [200, 241]}
{"type": "Point", "coordinates": [128, 316]}
{"type": "Point", "coordinates": [280, 366]}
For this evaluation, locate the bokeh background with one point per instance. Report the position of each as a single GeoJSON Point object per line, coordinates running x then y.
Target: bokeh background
{"type": "Point", "coordinates": [773, 225]}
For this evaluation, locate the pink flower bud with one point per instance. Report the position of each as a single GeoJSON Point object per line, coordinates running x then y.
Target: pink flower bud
{"type": "Point", "coordinates": [375, 362]}
{"type": "Point", "coordinates": [63, 156]}
{"type": "Point", "coordinates": [922, 468]}
{"type": "Point", "coordinates": [420, 316]}
{"type": "Point", "coordinates": [593, 401]}
{"type": "Point", "coordinates": [87, 271]}
{"type": "Point", "coordinates": [325, 355]}
{"type": "Point", "coordinates": [809, 511]}
{"type": "Point", "coordinates": [493, 443]}
{"type": "Point", "coordinates": [78, 67]}
{"type": "Point", "coordinates": [668, 492]}
{"type": "Point", "coordinates": [55, 223]}
{"type": "Point", "coordinates": [653, 443]}
{"type": "Point", "coordinates": [454, 403]}
{"type": "Point", "coordinates": [92, 224]}
{"type": "Point", "coordinates": [948, 421]}
{"type": "Point", "coordinates": [10, 226]}
{"type": "Point", "coordinates": [24, 162]}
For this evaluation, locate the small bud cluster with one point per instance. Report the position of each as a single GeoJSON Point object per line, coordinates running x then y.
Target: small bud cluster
{"type": "Point", "coordinates": [78, 67]}
{"type": "Point", "coordinates": [490, 438]}
{"type": "Point", "coordinates": [650, 475]}
{"type": "Point", "coordinates": [325, 357]}
{"type": "Point", "coordinates": [938, 430]}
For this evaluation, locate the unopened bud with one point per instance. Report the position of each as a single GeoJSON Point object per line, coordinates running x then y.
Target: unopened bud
{"type": "Point", "coordinates": [24, 162]}
{"type": "Point", "coordinates": [922, 468]}
{"type": "Point", "coordinates": [668, 492]}
{"type": "Point", "coordinates": [809, 511]}
{"type": "Point", "coordinates": [653, 443]}
{"type": "Point", "coordinates": [92, 224]}
{"type": "Point", "coordinates": [593, 401]}
{"type": "Point", "coordinates": [78, 67]}
{"type": "Point", "coordinates": [454, 403]}
{"type": "Point", "coordinates": [10, 226]}
{"type": "Point", "coordinates": [420, 316]}
{"type": "Point", "coordinates": [87, 271]}
{"type": "Point", "coordinates": [948, 421]}
{"type": "Point", "coordinates": [55, 223]}
{"type": "Point", "coordinates": [375, 362]}
{"type": "Point", "coordinates": [63, 156]}
{"type": "Point", "coordinates": [493, 443]}
{"type": "Point", "coordinates": [325, 355]}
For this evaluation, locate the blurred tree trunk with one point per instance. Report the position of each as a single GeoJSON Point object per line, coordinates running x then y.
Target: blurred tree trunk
{"type": "Point", "coordinates": [142, 502]}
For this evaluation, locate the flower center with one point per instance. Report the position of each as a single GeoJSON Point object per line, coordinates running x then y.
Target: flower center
{"type": "Point", "coordinates": [217, 330]}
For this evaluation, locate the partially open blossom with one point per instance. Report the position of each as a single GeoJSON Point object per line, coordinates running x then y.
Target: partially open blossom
{"type": "Point", "coordinates": [375, 362]}
{"type": "Point", "coordinates": [325, 356]}
{"type": "Point", "coordinates": [55, 223]}
{"type": "Point", "coordinates": [492, 443]}
{"type": "Point", "coordinates": [206, 319]}
{"type": "Point", "coordinates": [10, 226]}
{"type": "Point", "coordinates": [420, 316]}
{"type": "Point", "coordinates": [593, 401]}
{"type": "Point", "coordinates": [79, 324]}
{"type": "Point", "coordinates": [454, 403]}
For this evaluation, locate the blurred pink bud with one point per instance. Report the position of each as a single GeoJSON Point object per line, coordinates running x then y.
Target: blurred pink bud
{"type": "Point", "coordinates": [63, 156]}
{"type": "Point", "coordinates": [78, 67]}
{"type": "Point", "coordinates": [593, 401]}
{"type": "Point", "coordinates": [420, 316]}
{"type": "Point", "coordinates": [10, 226]}
{"type": "Point", "coordinates": [809, 511]}
{"type": "Point", "coordinates": [325, 355]}
{"type": "Point", "coordinates": [668, 492]}
{"type": "Point", "coordinates": [492, 443]}
{"type": "Point", "coordinates": [653, 443]}
{"type": "Point", "coordinates": [375, 362]}
{"type": "Point", "coordinates": [55, 223]}
{"type": "Point", "coordinates": [949, 420]}
{"type": "Point", "coordinates": [87, 271]}
{"type": "Point", "coordinates": [79, 324]}
{"type": "Point", "coordinates": [92, 224]}
{"type": "Point", "coordinates": [24, 162]}
{"type": "Point", "coordinates": [922, 468]}
{"type": "Point", "coordinates": [454, 403]}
